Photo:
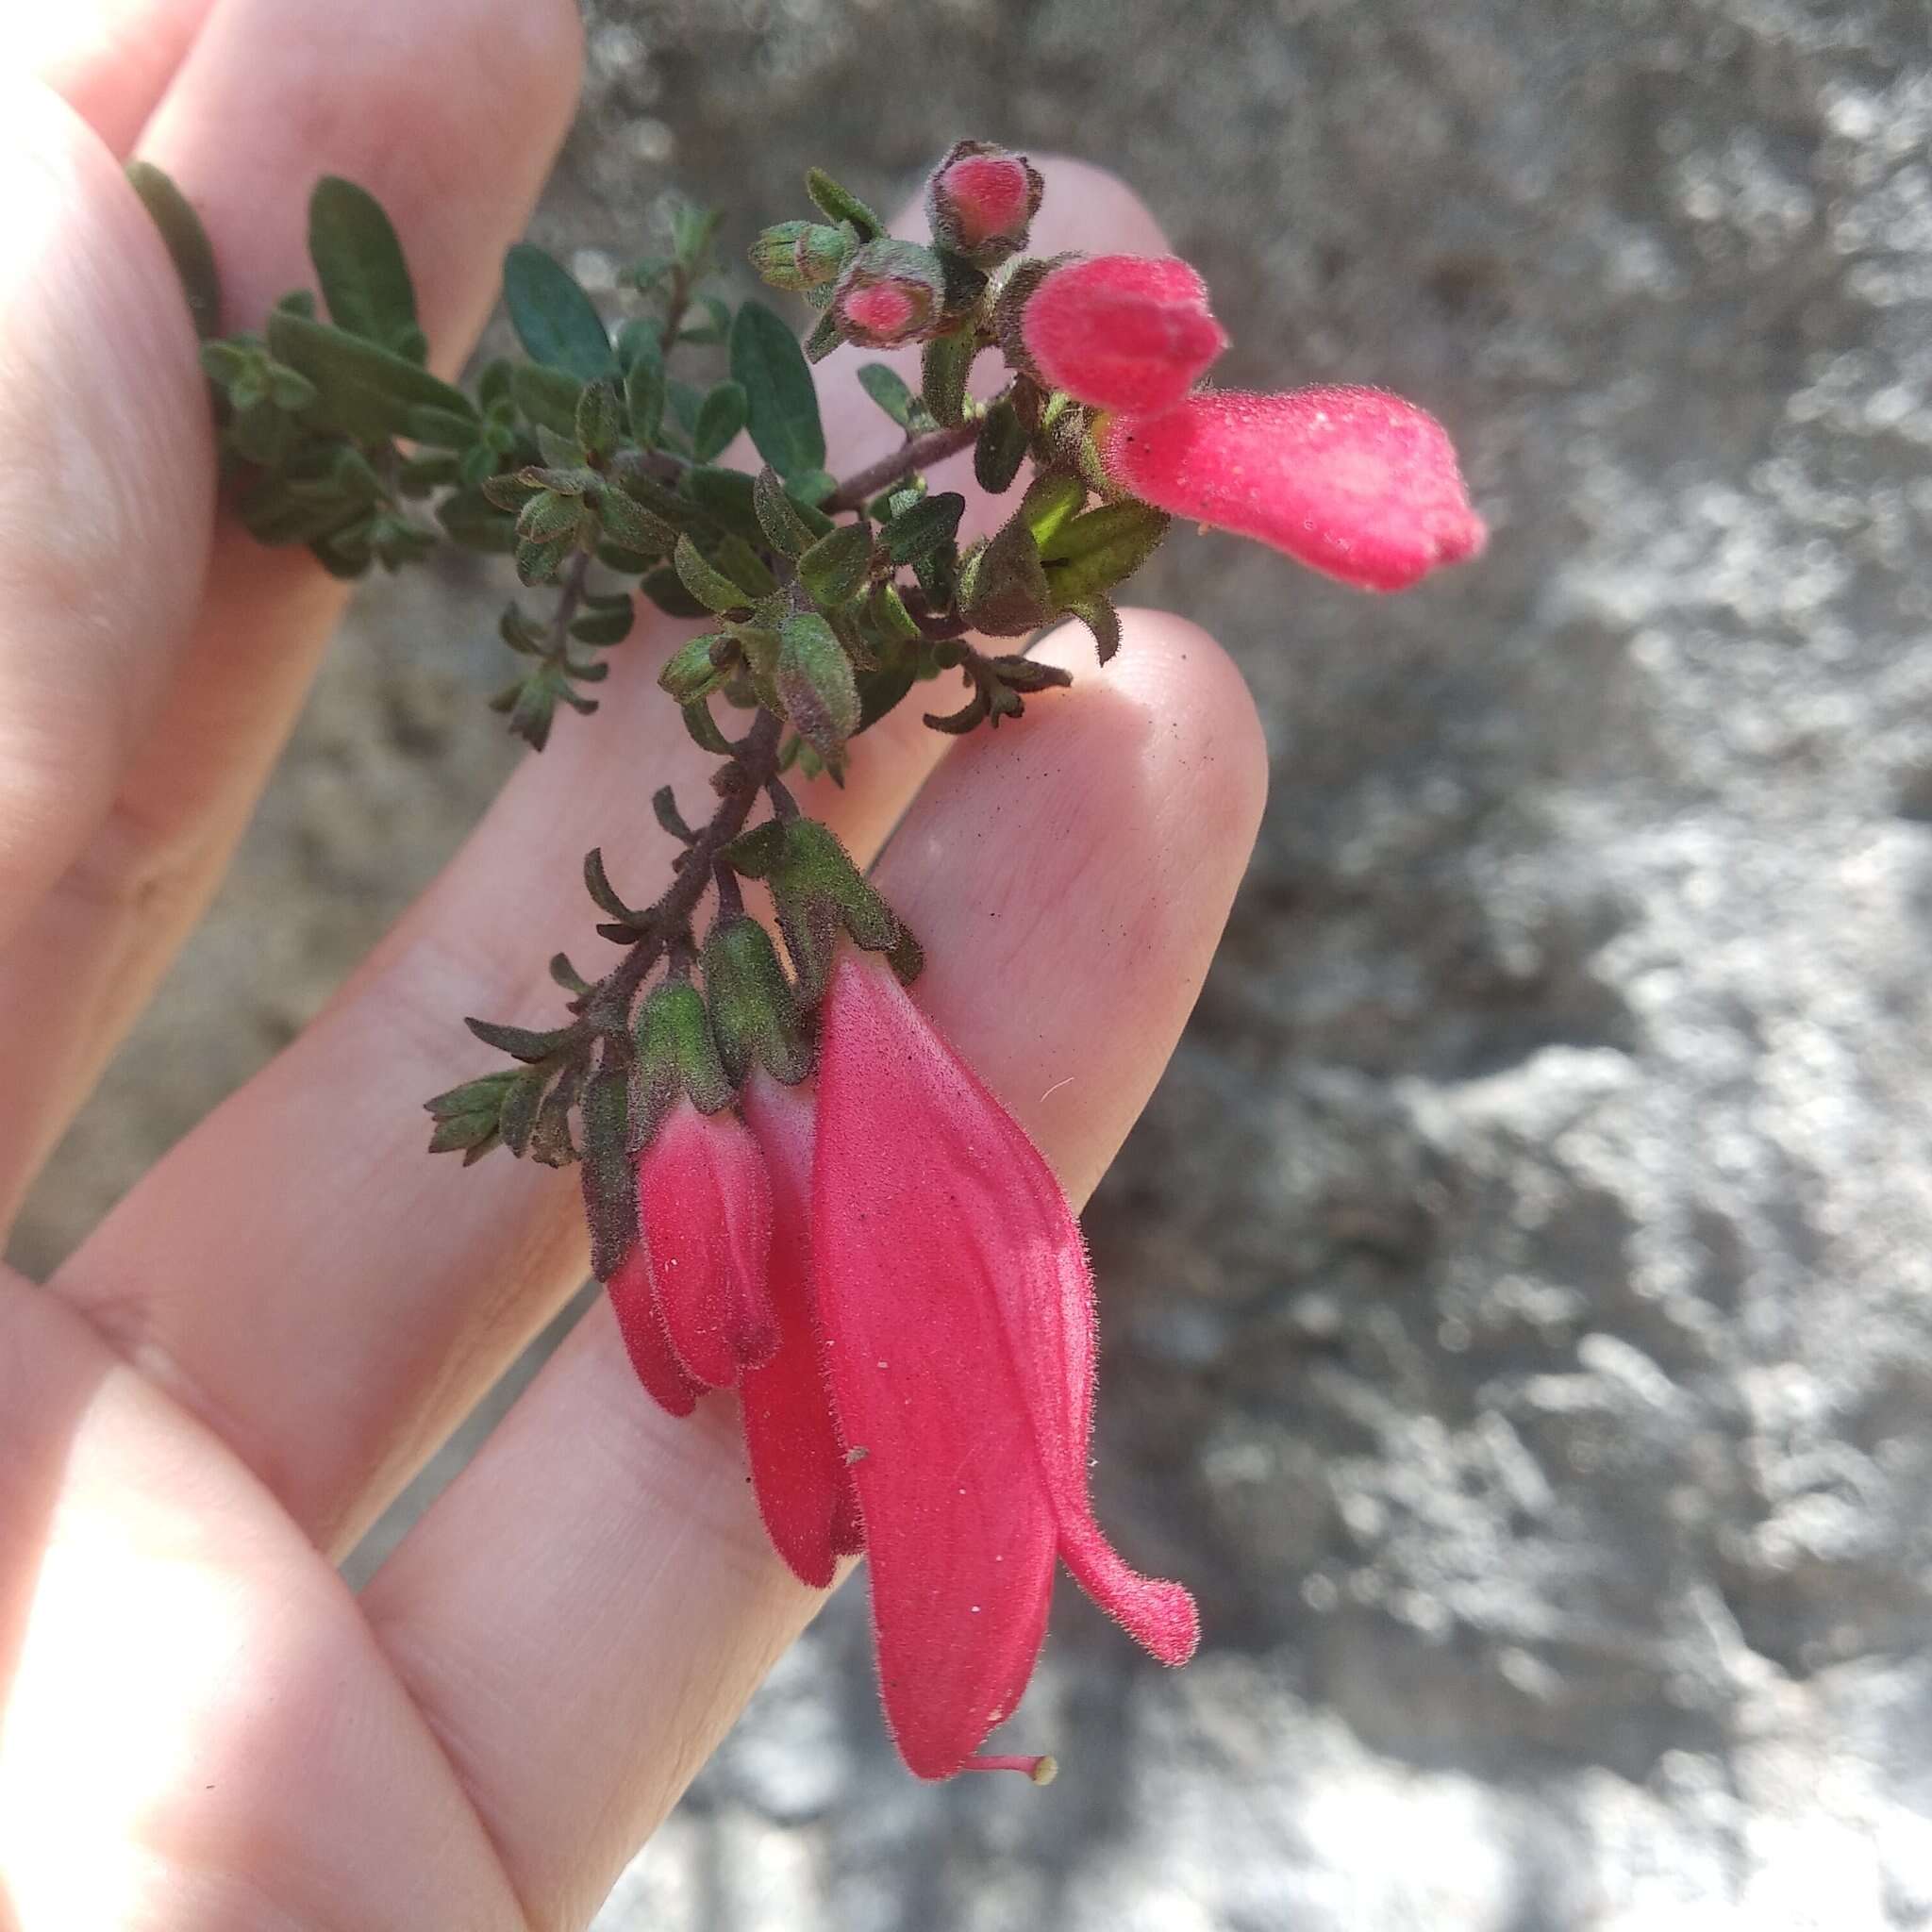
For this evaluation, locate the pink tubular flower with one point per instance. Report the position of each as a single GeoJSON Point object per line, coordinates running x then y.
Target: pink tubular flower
{"type": "Point", "coordinates": [1121, 331]}
{"type": "Point", "coordinates": [1355, 482]}
{"type": "Point", "coordinates": [958, 1309]}
{"type": "Point", "coordinates": [799, 1474]}
{"type": "Point", "coordinates": [705, 1205]}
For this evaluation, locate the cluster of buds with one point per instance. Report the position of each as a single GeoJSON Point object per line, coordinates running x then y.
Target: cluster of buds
{"type": "Point", "coordinates": [795, 1188]}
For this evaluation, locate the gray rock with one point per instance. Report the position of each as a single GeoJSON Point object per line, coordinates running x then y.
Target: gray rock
{"type": "Point", "coordinates": [1519, 1317]}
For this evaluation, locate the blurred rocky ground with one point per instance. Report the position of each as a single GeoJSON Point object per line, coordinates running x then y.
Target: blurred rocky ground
{"type": "Point", "coordinates": [1517, 1305]}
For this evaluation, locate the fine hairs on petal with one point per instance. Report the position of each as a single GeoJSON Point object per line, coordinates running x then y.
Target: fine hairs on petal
{"type": "Point", "coordinates": [1354, 482]}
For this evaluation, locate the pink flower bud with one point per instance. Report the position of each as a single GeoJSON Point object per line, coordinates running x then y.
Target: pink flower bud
{"type": "Point", "coordinates": [1355, 482]}
{"type": "Point", "coordinates": [1121, 331]}
{"type": "Point", "coordinates": [798, 1467]}
{"type": "Point", "coordinates": [958, 1312]}
{"type": "Point", "coordinates": [981, 200]}
{"type": "Point", "coordinates": [706, 1207]}
{"type": "Point", "coordinates": [891, 292]}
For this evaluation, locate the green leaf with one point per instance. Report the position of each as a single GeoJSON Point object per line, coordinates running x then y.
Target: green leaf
{"type": "Point", "coordinates": [599, 419]}
{"type": "Point", "coordinates": [782, 403]}
{"type": "Point", "coordinates": [472, 520]}
{"type": "Point", "coordinates": [838, 203]}
{"type": "Point", "coordinates": [643, 393]}
{"type": "Point", "coordinates": [722, 416]}
{"type": "Point", "coordinates": [709, 586]}
{"type": "Point", "coordinates": [665, 589]}
{"type": "Point", "coordinates": [729, 497]}
{"type": "Point", "coordinates": [881, 691]}
{"type": "Point", "coordinates": [890, 392]}
{"type": "Point", "coordinates": [1003, 587]}
{"type": "Point", "coordinates": [367, 391]}
{"type": "Point", "coordinates": [816, 687]}
{"type": "Point", "coordinates": [790, 528]}
{"type": "Point", "coordinates": [359, 264]}
{"type": "Point", "coordinates": [546, 398]}
{"type": "Point", "coordinates": [186, 241]}
{"type": "Point", "coordinates": [556, 321]}
{"type": "Point", "coordinates": [924, 526]}
{"type": "Point", "coordinates": [630, 527]}
{"type": "Point", "coordinates": [1051, 499]}
{"type": "Point", "coordinates": [835, 569]}
{"type": "Point", "coordinates": [520, 1042]}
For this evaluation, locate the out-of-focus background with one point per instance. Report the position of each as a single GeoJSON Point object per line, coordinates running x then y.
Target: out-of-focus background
{"type": "Point", "coordinates": [1518, 1310]}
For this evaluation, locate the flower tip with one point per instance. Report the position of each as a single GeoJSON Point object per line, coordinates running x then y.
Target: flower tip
{"type": "Point", "coordinates": [1123, 331]}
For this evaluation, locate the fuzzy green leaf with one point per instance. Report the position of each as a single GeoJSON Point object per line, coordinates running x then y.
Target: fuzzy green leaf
{"type": "Point", "coordinates": [719, 418]}
{"type": "Point", "coordinates": [709, 585]}
{"type": "Point", "coordinates": [359, 264]}
{"type": "Point", "coordinates": [367, 391]}
{"type": "Point", "coordinates": [781, 400]}
{"type": "Point", "coordinates": [186, 240]}
{"type": "Point", "coordinates": [924, 526]}
{"type": "Point", "coordinates": [838, 203]}
{"type": "Point", "coordinates": [556, 321]}
{"type": "Point", "coordinates": [835, 569]}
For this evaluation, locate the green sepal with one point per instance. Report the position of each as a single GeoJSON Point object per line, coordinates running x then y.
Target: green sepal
{"type": "Point", "coordinates": [835, 569]}
{"type": "Point", "coordinates": [677, 1058]}
{"type": "Point", "coordinates": [815, 688]}
{"type": "Point", "coordinates": [817, 892]}
{"type": "Point", "coordinates": [1001, 448]}
{"type": "Point", "coordinates": [1092, 553]}
{"type": "Point", "coordinates": [838, 203]}
{"type": "Point", "coordinates": [754, 1013]}
{"type": "Point", "coordinates": [691, 672]}
{"type": "Point", "coordinates": [1050, 500]}
{"type": "Point", "coordinates": [186, 241]}
{"type": "Point", "coordinates": [609, 1175]}
{"type": "Point", "coordinates": [1003, 586]}
{"type": "Point", "coordinates": [1098, 614]}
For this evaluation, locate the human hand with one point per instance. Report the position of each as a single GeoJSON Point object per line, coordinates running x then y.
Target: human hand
{"type": "Point", "coordinates": [200, 1727]}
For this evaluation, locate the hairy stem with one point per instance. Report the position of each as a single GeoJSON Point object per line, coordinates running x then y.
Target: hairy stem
{"type": "Point", "coordinates": [917, 454]}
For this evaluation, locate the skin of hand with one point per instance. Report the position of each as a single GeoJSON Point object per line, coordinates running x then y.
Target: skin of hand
{"type": "Point", "coordinates": [200, 1727]}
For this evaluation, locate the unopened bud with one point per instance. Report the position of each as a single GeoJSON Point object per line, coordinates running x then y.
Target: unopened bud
{"type": "Point", "coordinates": [1124, 332]}
{"type": "Point", "coordinates": [891, 292]}
{"type": "Point", "coordinates": [981, 200]}
{"type": "Point", "coordinates": [801, 255]}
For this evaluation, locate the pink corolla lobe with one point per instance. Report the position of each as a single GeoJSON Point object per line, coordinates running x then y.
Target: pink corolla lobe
{"type": "Point", "coordinates": [799, 1472]}
{"type": "Point", "coordinates": [1121, 331]}
{"type": "Point", "coordinates": [704, 1208]}
{"type": "Point", "coordinates": [956, 1307]}
{"type": "Point", "coordinates": [1354, 482]}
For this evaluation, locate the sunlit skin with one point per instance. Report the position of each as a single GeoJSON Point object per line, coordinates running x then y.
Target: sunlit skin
{"type": "Point", "coordinates": [201, 1728]}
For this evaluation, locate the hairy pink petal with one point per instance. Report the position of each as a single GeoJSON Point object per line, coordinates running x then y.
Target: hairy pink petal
{"type": "Point", "coordinates": [1123, 331]}
{"type": "Point", "coordinates": [958, 1307]}
{"type": "Point", "coordinates": [1355, 482]}
{"type": "Point", "coordinates": [635, 1303]}
{"type": "Point", "coordinates": [706, 1207]}
{"type": "Point", "coordinates": [804, 1488]}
